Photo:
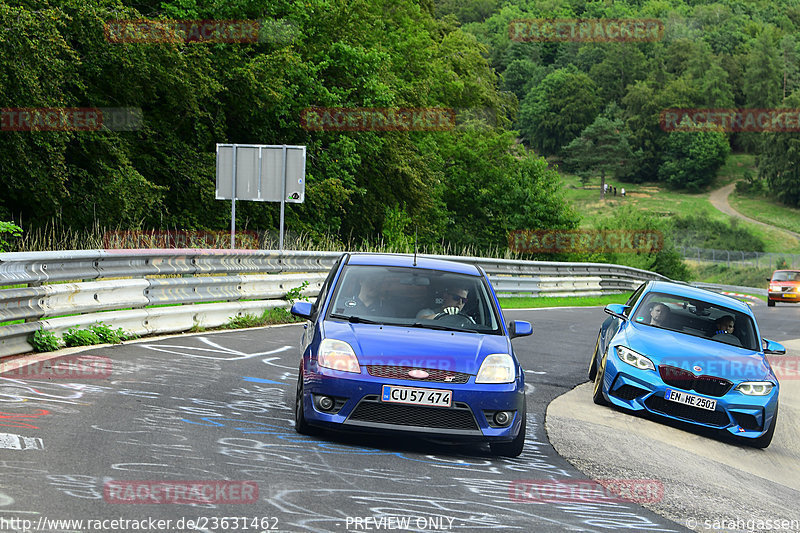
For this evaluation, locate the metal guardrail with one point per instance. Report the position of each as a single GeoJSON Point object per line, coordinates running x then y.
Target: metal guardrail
{"type": "Point", "coordinates": [173, 290]}
{"type": "Point", "coordinates": [730, 288]}
{"type": "Point", "coordinates": [736, 257]}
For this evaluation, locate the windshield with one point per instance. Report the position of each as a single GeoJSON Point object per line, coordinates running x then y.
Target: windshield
{"type": "Point", "coordinates": [786, 275]}
{"type": "Point", "coordinates": [697, 318]}
{"type": "Point", "coordinates": [414, 297]}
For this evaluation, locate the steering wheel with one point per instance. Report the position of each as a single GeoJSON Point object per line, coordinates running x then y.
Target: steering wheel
{"type": "Point", "coordinates": [457, 319]}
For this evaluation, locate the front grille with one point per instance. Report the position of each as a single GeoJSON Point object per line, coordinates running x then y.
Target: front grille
{"type": "Point", "coordinates": [457, 417]}
{"type": "Point", "coordinates": [401, 372]}
{"type": "Point", "coordinates": [687, 412]}
{"type": "Point", "coordinates": [683, 379]}
{"type": "Point", "coordinates": [628, 392]}
{"type": "Point", "coordinates": [747, 421]}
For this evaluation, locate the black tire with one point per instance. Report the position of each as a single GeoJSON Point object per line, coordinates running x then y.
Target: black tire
{"type": "Point", "coordinates": [515, 447]}
{"type": "Point", "coordinates": [597, 392]}
{"type": "Point", "coordinates": [764, 440]}
{"type": "Point", "coordinates": [770, 303]}
{"type": "Point", "coordinates": [593, 363]}
{"type": "Point", "coordinates": [300, 424]}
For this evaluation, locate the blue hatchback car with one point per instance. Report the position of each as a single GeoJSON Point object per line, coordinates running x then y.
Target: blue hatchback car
{"type": "Point", "coordinates": [688, 354]}
{"type": "Point", "coordinates": [401, 344]}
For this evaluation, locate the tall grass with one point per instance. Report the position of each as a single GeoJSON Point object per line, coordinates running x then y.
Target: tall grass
{"type": "Point", "coordinates": [55, 236]}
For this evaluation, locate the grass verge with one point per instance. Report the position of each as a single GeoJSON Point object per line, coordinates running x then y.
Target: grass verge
{"type": "Point", "coordinates": [731, 275]}
{"type": "Point", "coordinates": [767, 211]}
{"type": "Point", "coordinates": [519, 302]}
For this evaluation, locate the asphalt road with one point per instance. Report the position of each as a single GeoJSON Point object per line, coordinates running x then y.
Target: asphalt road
{"type": "Point", "coordinates": [216, 407]}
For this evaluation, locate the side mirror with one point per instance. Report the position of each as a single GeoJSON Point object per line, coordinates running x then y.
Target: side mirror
{"type": "Point", "coordinates": [773, 347]}
{"type": "Point", "coordinates": [616, 310]}
{"type": "Point", "coordinates": [302, 309]}
{"type": "Point", "coordinates": [519, 328]}
{"type": "Point", "coordinates": [769, 279]}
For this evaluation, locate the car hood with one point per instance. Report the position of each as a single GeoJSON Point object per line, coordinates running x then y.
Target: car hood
{"type": "Point", "coordinates": [793, 283]}
{"type": "Point", "coordinates": [417, 347]}
{"type": "Point", "coordinates": [665, 347]}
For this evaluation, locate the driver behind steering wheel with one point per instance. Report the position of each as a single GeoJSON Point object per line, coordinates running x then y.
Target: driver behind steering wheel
{"type": "Point", "coordinates": [453, 302]}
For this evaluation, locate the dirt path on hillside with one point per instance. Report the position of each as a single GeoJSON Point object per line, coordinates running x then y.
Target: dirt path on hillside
{"type": "Point", "coordinates": [719, 199]}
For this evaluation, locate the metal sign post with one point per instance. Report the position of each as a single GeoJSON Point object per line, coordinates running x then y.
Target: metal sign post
{"type": "Point", "coordinates": [260, 172]}
{"type": "Point", "coordinates": [233, 200]}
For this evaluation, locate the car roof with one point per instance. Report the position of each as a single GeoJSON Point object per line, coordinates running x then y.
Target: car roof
{"type": "Point", "coordinates": [687, 291]}
{"type": "Point", "coordinates": [407, 260]}
{"type": "Point", "coordinates": [786, 270]}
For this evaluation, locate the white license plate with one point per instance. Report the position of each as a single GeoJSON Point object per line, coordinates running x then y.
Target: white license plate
{"type": "Point", "coordinates": [690, 399]}
{"type": "Point", "coordinates": [411, 395]}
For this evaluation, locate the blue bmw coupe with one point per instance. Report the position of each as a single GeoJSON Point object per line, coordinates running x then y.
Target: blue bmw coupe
{"type": "Point", "coordinates": [400, 344]}
{"type": "Point", "coordinates": [688, 354]}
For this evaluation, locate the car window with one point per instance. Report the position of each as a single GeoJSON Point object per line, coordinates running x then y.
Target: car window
{"type": "Point", "coordinates": [323, 292]}
{"type": "Point", "coordinates": [697, 318]}
{"type": "Point", "coordinates": [413, 296]}
{"type": "Point", "coordinates": [632, 300]}
{"type": "Point", "coordinates": [786, 275]}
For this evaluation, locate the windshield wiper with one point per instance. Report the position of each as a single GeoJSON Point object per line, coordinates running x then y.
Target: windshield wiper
{"type": "Point", "coordinates": [353, 319]}
{"type": "Point", "coordinates": [440, 327]}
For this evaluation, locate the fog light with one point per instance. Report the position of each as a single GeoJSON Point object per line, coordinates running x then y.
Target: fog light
{"type": "Point", "coordinates": [325, 403]}
{"type": "Point", "coordinates": [502, 418]}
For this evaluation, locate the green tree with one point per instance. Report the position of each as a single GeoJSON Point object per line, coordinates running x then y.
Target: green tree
{"type": "Point", "coordinates": [602, 148]}
{"type": "Point", "coordinates": [692, 158]}
{"type": "Point", "coordinates": [778, 161]}
{"type": "Point", "coordinates": [515, 190]}
{"type": "Point", "coordinates": [623, 64]}
{"type": "Point", "coordinates": [763, 80]}
{"type": "Point", "coordinates": [555, 111]}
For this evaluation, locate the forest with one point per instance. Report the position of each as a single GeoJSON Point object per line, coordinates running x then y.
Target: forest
{"type": "Point", "coordinates": [522, 110]}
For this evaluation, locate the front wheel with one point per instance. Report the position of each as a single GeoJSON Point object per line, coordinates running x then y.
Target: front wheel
{"type": "Point", "coordinates": [593, 363]}
{"type": "Point", "coordinates": [300, 424]}
{"type": "Point", "coordinates": [770, 303]}
{"type": "Point", "coordinates": [515, 447]}
{"type": "Point", "coordinates": [599, 377]}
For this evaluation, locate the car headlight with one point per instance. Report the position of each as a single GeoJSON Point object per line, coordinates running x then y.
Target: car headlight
{"type": "Point", "coordinates": [337, 355]}
{"type": "Point", "coordinates": [755, 388]}
{"type": "Point", "coordinates": [626, 355]}
{"type": "Point", "coordinates": [496, 368]}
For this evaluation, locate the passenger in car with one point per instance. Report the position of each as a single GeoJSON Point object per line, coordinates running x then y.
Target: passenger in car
{"type": "Point", "coordinates": [368, 301]}
{"type": "Point", "coordinates": [659, 315]}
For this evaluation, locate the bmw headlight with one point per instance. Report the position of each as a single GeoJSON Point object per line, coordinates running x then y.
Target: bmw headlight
{"type": "Point", "coordinates": [496, 368]}
{"type": "Point", "coordinates": [337, 355]}
{"type": "Point", "coordinates": [755, 388]}
{"type": "Point", "coordinates": [626, 355]}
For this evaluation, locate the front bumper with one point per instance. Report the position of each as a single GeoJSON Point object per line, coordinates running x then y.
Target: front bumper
{"type": "Point", "coordinates": [644, 390]}
{"type": "Point", "coordinates": [793, 297]}
{"type": "Point", "coordinates": [468, 418]}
